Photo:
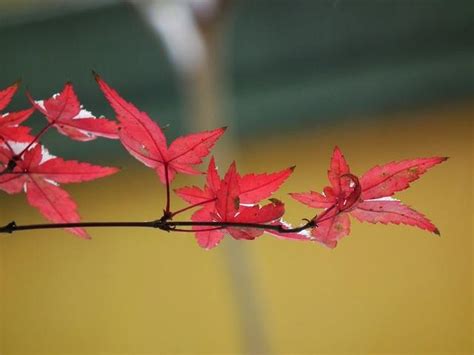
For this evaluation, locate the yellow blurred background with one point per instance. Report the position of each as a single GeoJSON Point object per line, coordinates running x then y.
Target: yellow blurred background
{"type": "Point", "coordinates": [384, 289]}
{"type": "Point", "coordinates": [382, 80]}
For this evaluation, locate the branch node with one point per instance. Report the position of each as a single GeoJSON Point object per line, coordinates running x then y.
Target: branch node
{"type": "Point", "coordinates": [163, 224]}
{"type": "Point", "coordinates": [158, 223]}
{"type": "Point", "coordinates": [9, 228]}
{"type": "Point", "coordinates": [310, 223]}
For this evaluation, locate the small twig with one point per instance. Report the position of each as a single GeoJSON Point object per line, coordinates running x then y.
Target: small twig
{"type": "Point", "coordinates": [168, 198]}
{"type": "Point", "coordinates": [192, 206]}
{"type": "Point", "coordinates": [9, 168]}
{"type": "Point", "coordinates": [15, 157]}
{"type": "Point", "coordinates": [278, 228]}
{"type": "Point", "coordinates": [182, 230]}
{"type": "Point", "coordinates": [36, 138]}
{"type": "Point", "coordinates": [12, 163]}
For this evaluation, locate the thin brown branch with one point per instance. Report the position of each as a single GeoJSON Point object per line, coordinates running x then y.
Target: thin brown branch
{"type": "Point", "coordinates": [162, 224]}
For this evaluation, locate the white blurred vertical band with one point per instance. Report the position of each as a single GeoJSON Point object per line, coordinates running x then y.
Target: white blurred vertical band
{"type": "Point", "coordinates": [191, 32]}
{"type": "Point", "coordinates": [176, 26]}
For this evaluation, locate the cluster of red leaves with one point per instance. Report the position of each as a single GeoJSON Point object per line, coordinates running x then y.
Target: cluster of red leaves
{"type": "Point", "coordinates": [236, 199]}
{"type": "Point", "coordinates": [230, 205]}
{"type": "Point", "coordinates": [368, 199]}
{"type": "Point", "coordinates": [28, 166]}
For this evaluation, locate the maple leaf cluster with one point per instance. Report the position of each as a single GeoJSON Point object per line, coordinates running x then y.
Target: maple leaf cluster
{"type": "Point", "coordinates": [231, 204]}
{"type": "Point", "coordinates": [236, 199]}
{"type": "Point", "coordinates": [29, 167]}
{"type": "Point", "coordinates": [368, 199]}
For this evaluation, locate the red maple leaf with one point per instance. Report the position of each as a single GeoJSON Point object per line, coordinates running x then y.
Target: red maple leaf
{"type": "Point", "coordinates": [144, 139]}
{"type": "Point", "coordinates": [38, 174]}
{"type": "Point", "coordinates": [253, 187]}
{"type": "Point", "coordinates": [234, 199]}
{"type": "Point", "coordinates": [368, 199]}
{"type": "Point", "coordinates": [9, 122]}
{"type": "Point", "coordinates": [65, 112]}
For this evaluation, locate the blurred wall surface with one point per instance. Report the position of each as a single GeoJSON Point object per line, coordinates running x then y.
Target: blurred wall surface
{"type": "Point", "coordinates": [383, 80]}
